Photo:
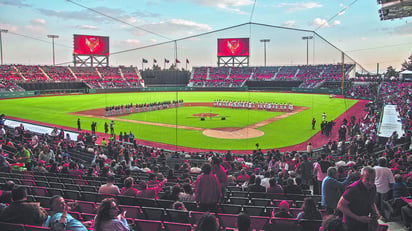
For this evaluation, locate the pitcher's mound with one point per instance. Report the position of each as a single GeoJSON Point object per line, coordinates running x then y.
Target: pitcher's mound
{"type": "Point", "coordinates": [233, 133]}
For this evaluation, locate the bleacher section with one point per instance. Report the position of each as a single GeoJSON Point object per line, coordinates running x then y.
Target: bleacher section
{"type": "Point", "coordinates": [307, 76]}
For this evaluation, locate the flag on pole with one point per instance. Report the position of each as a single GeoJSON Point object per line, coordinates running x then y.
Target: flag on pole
{"type": "Point", "coordinates": [154, 60]}
{"type": "Point", "coordinates": [177, 61]}
{"type": "Point", "coordinates": [144, 60]}
{"type": "Point", "coordinates": [187, 61]}
{"type": "Point", "coordinates": [166, 61]}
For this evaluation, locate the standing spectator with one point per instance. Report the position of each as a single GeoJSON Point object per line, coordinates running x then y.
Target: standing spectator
{"type": "Point", "coordinates": [108, 217]}
{"type": "Point", "coordinates": [220, 172]}
{"type": "Point", "coordinates": [60, 219]}
{"type": "Point", "coordinates": [358, 202]}
{"type": "Point", "coordinates": [305, 170]}
{"type": "Point", "coordinates": [320, 172]}
{"type": "Point", "coordinates": [383, 181]}
{"type": "Point", "coordinates": [109, 187]}
{"type": "Point", "coordinates": [208, 190]}
{"type": "Point", "coordinates": [332, 189]}
{"type": "Point", "coordinates": [21, 211]}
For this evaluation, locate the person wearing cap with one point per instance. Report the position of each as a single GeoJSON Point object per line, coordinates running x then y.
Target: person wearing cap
{"type": "Point", "coordinates": [283, 211]}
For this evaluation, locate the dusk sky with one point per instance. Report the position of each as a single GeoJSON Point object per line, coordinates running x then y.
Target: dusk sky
{"type": "Point", "coordinates": [351, 26]}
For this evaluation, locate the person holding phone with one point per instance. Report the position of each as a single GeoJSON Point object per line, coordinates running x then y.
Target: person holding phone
{"type": "Point", "coordinates": [60, 219]}
{"type": "Point", "coordinates": [109, 217]}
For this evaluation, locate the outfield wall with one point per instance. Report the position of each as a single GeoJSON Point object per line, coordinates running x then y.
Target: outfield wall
{"type": "Point", "coordinates": [170, 89]}
{"type": "Point", "coordinates": [5, 95]}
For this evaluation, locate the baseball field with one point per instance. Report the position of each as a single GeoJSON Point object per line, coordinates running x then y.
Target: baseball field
{"type": "Point", "coordinates": [241, 129]}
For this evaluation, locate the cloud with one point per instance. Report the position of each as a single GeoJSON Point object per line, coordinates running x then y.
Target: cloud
{"type": "Point", "coordinates": [363, 38]}
{"type": "Point", "coordinates": [336, 22]}
{"type": "Point", "coordinates": [173, 26]}
{"type": "Point", "coordinates": [9, 27]}
{"type": "Point", "coordinates": [291, 7]}
{"type": "Point", "coordinates": [18, 3]}
{"type": "Point", "coordinates": [318, 22]}
{"type": "Point", "coordinates": [87, 27]}
{"type": "Point", "coordinates": [289, 23]}
{"type": "Point", "coordinates": [323, 23]}
{"type": "Point", "coordinates": [132, 42]}
{"type": "Point", "coordinates": [38, 21]}
{"type": "Point", "coordinates": [83, 15]}
{"type": "Point", "coordinates": [227, 5]}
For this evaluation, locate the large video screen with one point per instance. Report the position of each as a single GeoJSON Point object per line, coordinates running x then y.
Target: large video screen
{"type": "Point", "coordinates": [233, 47]}
{"type": "Point", "coordinates": [91, 45]}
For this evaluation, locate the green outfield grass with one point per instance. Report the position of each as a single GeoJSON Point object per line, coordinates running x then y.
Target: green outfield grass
{"type": "Point", "coordinates": [285, 132]}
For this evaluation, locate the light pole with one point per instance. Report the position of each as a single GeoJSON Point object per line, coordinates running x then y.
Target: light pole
{"type": "Point", "coordinates": [264, 41]}
{"type": "Point", "coordinates": [52, 36]}
{"type": "Point", "coordinates": [307, 47]}
{"type": "Point", "coordinates": [1, 43]}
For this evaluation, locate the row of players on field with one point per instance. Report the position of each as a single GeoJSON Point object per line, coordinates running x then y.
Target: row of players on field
{"type": "Point", "coordinates": [144, 107]}
{"type": "Point", "coordinates": [252, 105]}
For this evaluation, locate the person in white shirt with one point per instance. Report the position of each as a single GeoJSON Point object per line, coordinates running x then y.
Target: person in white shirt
{"type": "Point", "coordinates": [384, 180]}
{"type": "Point", "coordinates": [109, 187]}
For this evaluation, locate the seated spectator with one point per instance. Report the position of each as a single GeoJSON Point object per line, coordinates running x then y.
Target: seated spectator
{"type": "Point", "coordinates": [283, 211]}
{"type": "Point", "coordinates": [109, 187]}
{"type": "Point", "coordinates": [243, 177]}
{"type": "Point", "coordinates": [207, 223]}
{"type": "Point", "coordinates": [187, 194]}
{"type": "Point", "coordinates": [243, 222]}
{"type": "Point", "coordinates": [274, 190]}
{"type": "Point", "coordinates": [145, 192]}
{"type": "Point", "coordinates": [4, 164]}
{"type": "Point", "coordinates": [128, 189]}
{"type": "Point", "coordinates": [5, 194]}
{"type": "Point", "coordinates": [171, 176]}
{"type": "Point", "coordinates": [174, 194]}
{"type": "Point", "coordinates": [257, 187]}
{"type": "Point", "coordinates": [310, 212]}
{"type": "Point", "coordinates": [195, 168]}
{"type": "Point", "coordinates": [23, 212]}
{"type": "Point", "coordinates": [179, 206]}
{"type": "Point", "coordinates": [60, 219]}
{"type": "Point", "coordinates": [108, 217]}
{"type": "Point", "coordinates": [333, 223]}
{"type": "Point", "coordinates": [399, 188]}
{"type": "Point", "coordinates": [292, 188]}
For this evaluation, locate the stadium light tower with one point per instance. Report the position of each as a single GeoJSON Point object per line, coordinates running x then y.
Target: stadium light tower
{"type": "Point", "coordinates": [1, 44]}
{"type": "Point", "coordinates": [264, 41]}
{"type": "Point", "coordinates": [307, 47]}
{"type": "Point", "coordinates": [52, 36]}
